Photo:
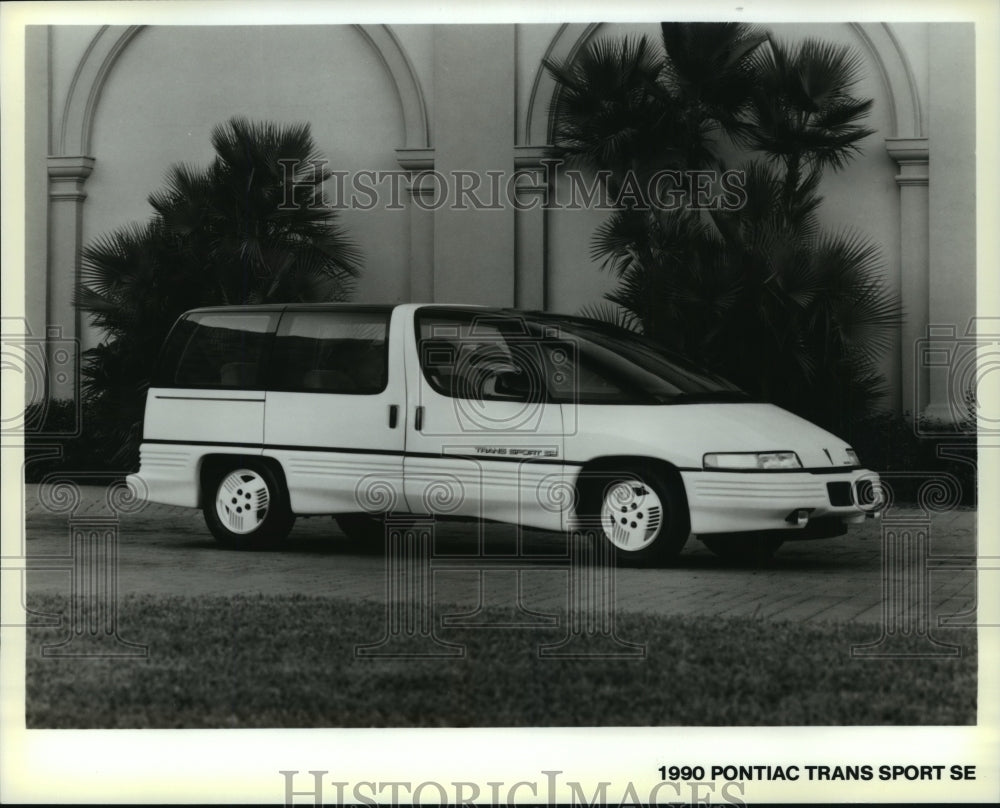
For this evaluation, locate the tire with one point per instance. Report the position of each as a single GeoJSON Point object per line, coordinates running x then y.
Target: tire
{"type": "Point", "coordinates": [642, 514]}
{"type": "Point", "coordinates": [365, 530]}
{"type": "Point", "coordinates": [230, 489]}
{"type": "Point", "coordinates": [743, 549]}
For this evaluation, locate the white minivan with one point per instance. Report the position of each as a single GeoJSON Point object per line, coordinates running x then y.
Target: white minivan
{"type": "Point", "coordinates": [257, 414]}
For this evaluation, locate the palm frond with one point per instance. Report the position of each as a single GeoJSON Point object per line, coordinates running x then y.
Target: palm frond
{"type": "Point", "coordinates": [111, 258]}
{"type": "Point", "coordinates": [612, 314]}
{"type": "Point", "coordinates": [802, 104]}
{"type": "Point", "coordinates": [711, 66]}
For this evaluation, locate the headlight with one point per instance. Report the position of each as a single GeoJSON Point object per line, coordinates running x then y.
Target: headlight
{"type": "Point", "coordinates": [752, 460]}
{"type": "Point", "coordinates": [853, 457]}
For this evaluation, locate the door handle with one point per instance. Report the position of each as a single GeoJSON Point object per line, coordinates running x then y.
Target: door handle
{"type": "Point", "coordinates": [393, 415]}
{"type": "Point", "coordinates": [418, 419]}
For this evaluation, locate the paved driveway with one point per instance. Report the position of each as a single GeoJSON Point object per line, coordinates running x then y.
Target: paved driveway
{"type": "Point", "coordinates": [168, 551]}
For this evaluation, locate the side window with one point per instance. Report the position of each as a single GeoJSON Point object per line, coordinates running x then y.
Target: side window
{"type": "Point", "coordinates": [331, 352]}
{"type": "Point", "coordinates": [575, 377]}
{"type": "Point", "coordinates": [481, 358]}
{"type": "Point", "coordinates": [217, 350]}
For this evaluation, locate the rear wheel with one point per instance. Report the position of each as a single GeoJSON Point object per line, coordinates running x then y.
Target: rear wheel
{"type": "Point", "coordinates": [745, 549]}
{"type": "Point", "coordinates": [246, 505]}
{"type": "Point", "coordinates": [641, 513]}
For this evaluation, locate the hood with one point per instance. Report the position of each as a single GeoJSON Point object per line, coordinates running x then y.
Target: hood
{"type": "Point", "coordinates": [684, 433]}
{"type": "Point", "coordinates": [765, 427]}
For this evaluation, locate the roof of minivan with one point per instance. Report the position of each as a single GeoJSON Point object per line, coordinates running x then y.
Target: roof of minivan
{"type": "Point", "coordinates": [296, 307]}
{"type": "Point", "coordinates": [501, 311]}
{"type": "Point", "coordinates": [382, 307]}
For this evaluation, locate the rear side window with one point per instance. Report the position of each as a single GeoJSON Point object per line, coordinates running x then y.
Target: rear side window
{"type": "Point", "coordinates": [217, 351]}
{"type": "Point", "coordinates": [331, 352]}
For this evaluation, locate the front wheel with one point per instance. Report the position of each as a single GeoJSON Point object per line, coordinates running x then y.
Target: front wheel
{"type": "Point", "coordinates": [642, 513]}
{"type": "Point", "coordinates": [245, 506]}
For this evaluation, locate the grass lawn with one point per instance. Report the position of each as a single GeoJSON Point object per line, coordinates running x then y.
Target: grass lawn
{"type": "Point", "coordinates": [290, 662]}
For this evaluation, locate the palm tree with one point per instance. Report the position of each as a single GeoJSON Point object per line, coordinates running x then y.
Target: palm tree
{"type": "Point", "coordinates": [760, 294]}
{"type": "Point", "coordinates": [802, 115]}
{"type": "Point", "coordinates": [795, 315]}
{"type": "Point", "coordinates": [623, 105]}
{"type": "Point", "coordinates": [249, 228]}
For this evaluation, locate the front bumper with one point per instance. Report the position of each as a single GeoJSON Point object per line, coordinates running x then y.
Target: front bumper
{"type": "Point", "coordinates": [737, 502]}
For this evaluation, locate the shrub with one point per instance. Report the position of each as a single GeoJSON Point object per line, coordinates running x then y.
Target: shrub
{"type": "Point", "coordinates": [63, 439]}
{"type": "Point", "coordinates": [908, 459]}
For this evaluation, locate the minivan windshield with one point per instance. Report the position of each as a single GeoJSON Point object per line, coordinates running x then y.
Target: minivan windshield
{"type": "Point", "coordinates": [613, 365]}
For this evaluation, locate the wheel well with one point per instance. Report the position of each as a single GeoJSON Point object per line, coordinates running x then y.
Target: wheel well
{"type": "Point", "coordinates": [593, 469]}
{"type": "Point", "coordinates": [211, 464]}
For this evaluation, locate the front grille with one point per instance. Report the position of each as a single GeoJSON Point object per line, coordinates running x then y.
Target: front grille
{"type": "Point", "coordinates": [840, 493]}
